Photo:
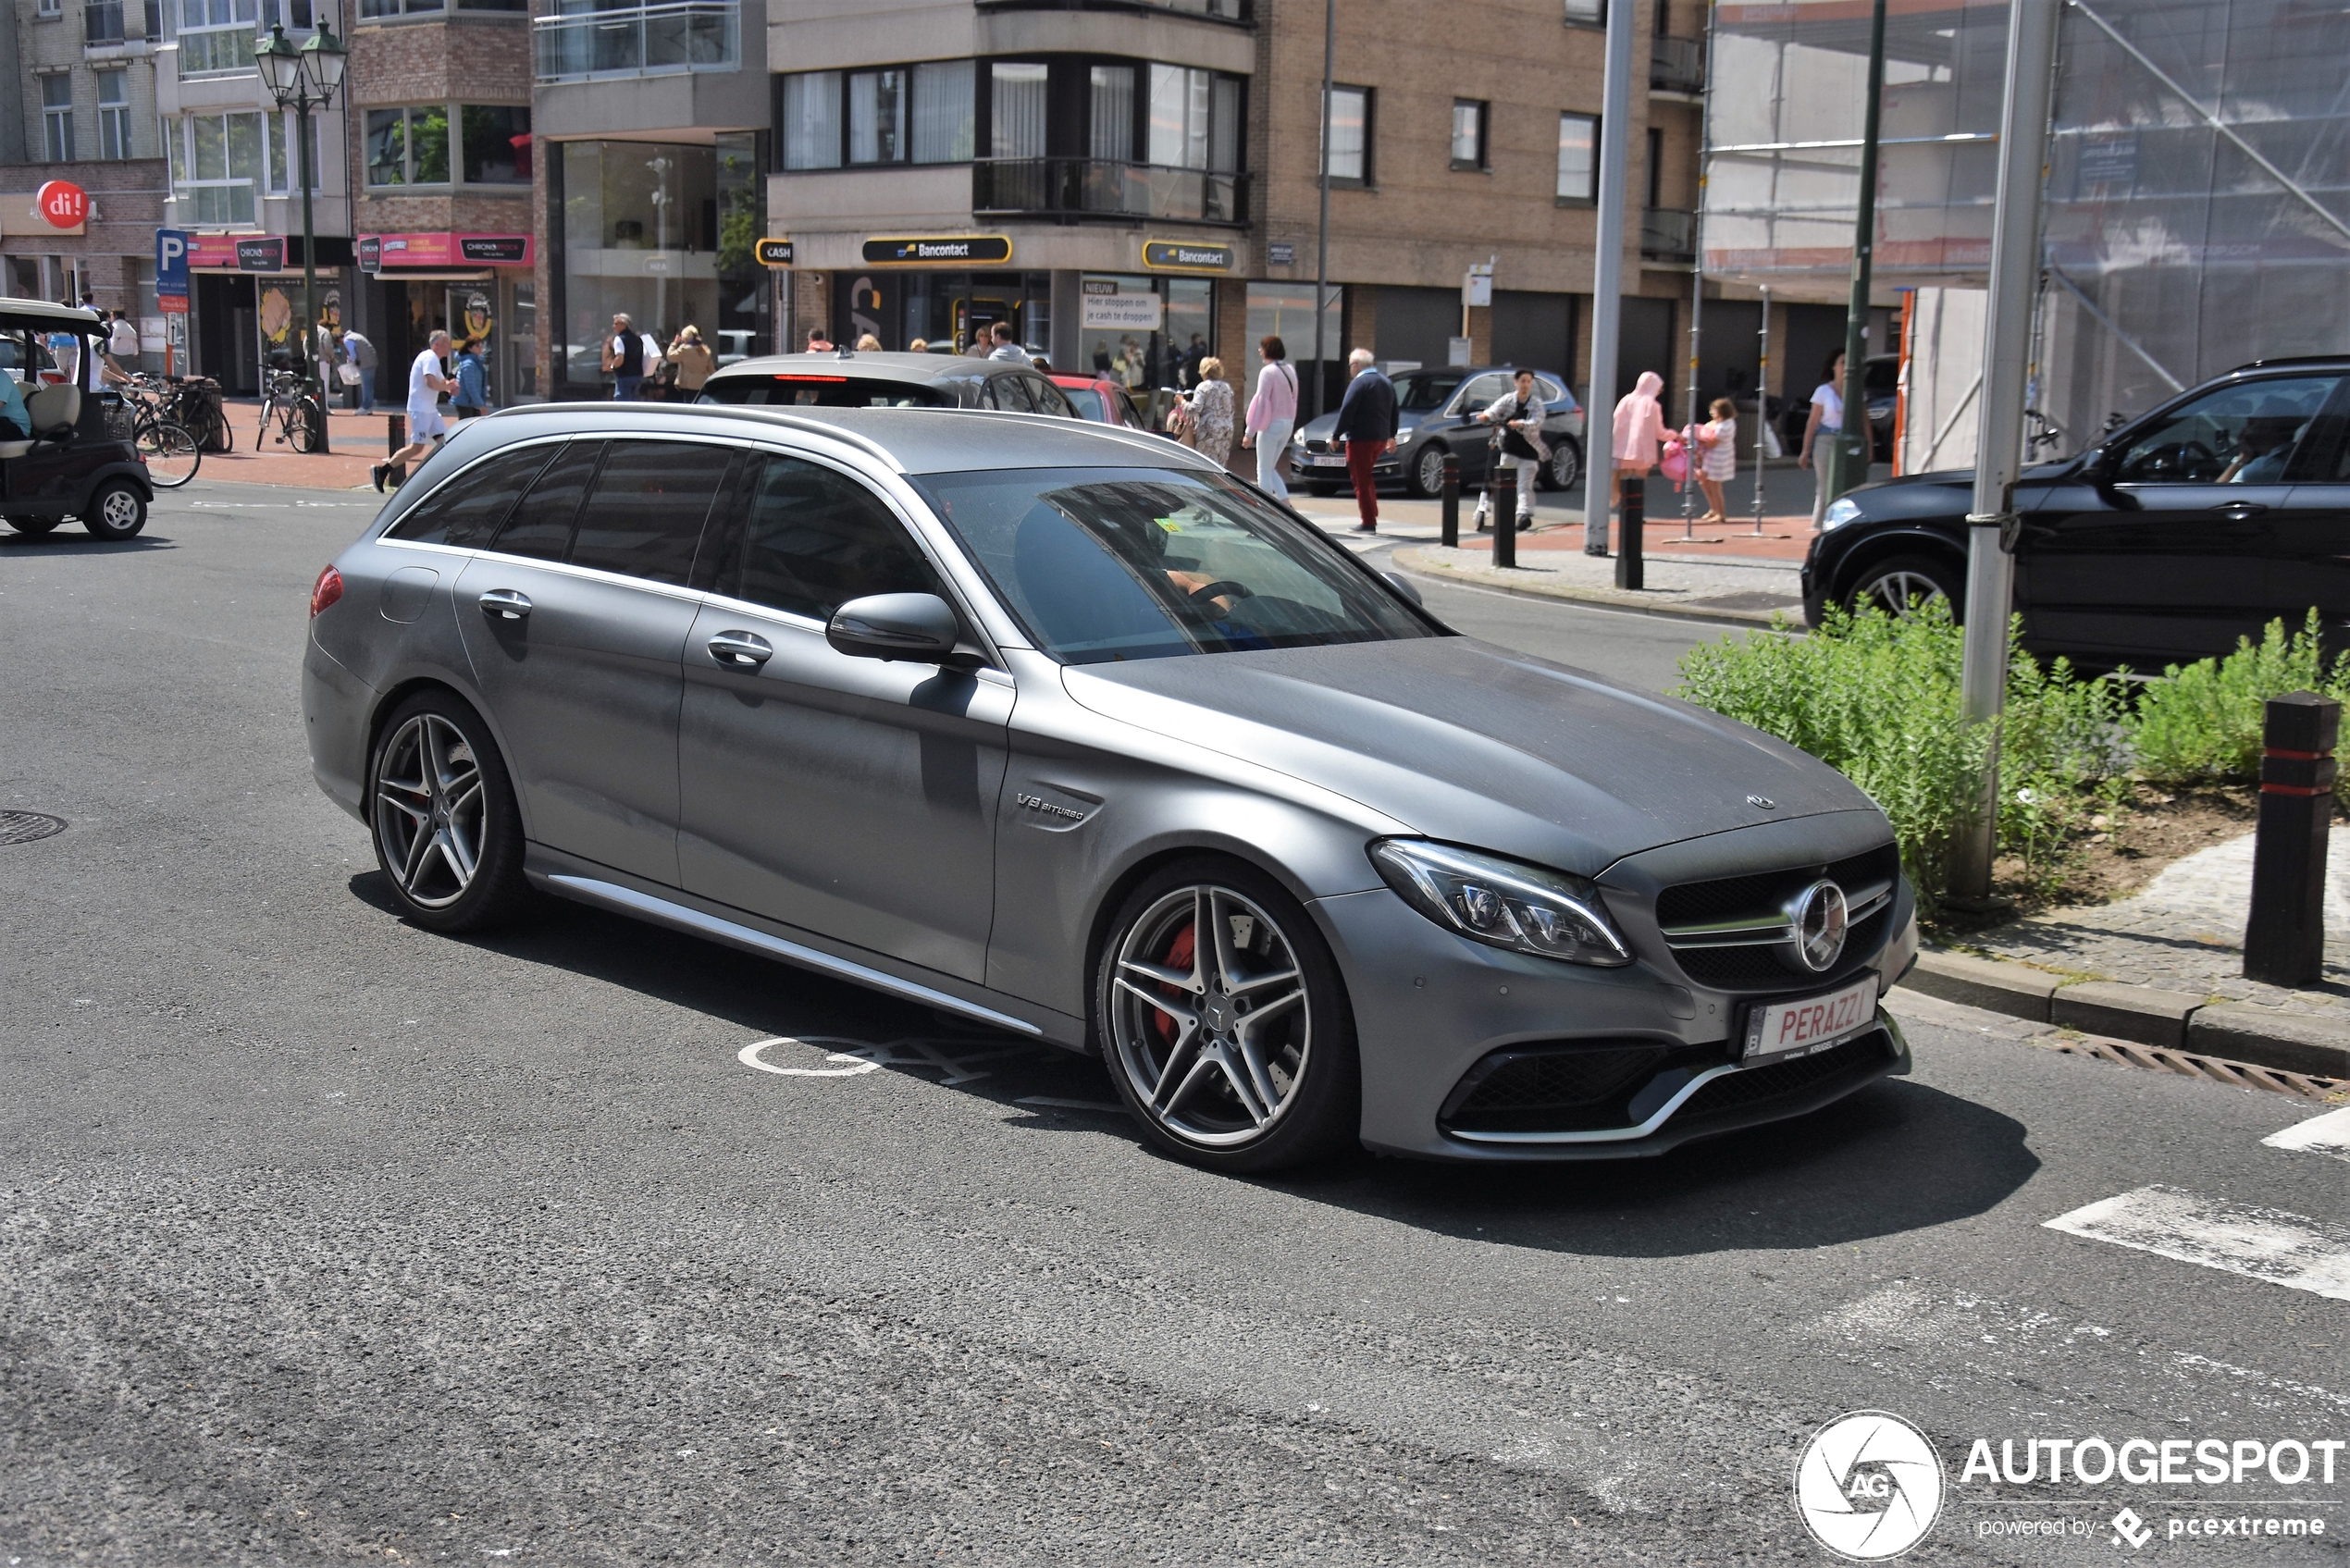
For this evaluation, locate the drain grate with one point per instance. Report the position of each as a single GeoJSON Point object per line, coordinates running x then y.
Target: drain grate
{"type": "Point", "coordinates": [23, 827]}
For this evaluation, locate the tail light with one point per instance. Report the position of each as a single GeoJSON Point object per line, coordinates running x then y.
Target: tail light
{"type": "Point", "coordinates": [325, 590]}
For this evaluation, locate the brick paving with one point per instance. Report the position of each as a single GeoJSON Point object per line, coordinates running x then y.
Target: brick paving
{"type": "Point", "coordinates": [2182, 932]}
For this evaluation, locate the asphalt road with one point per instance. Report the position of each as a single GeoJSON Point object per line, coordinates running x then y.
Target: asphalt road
{"type": "Point", "coordinates": [323, 1239]}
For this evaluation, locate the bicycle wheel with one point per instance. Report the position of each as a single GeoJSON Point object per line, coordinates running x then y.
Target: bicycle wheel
{"type": "Point", "coordinates": [309, 419]}
{"type": "Point", "coordinates": [171, 453]}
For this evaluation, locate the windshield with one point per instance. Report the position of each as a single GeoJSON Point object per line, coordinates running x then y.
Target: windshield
{"type": "Point", "coordinates": [822, 391]}
{"type": "Point", "coordinates": [1112, 563]}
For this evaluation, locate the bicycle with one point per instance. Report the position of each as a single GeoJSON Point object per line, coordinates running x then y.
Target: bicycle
{"type": "Point", "coordinates": [169, 449]}
{"type": "Point", "coordinates": [297, 412]}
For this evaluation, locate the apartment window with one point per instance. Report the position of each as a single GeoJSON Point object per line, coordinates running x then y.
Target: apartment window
{"type": "Point", "coordinates": [56, 118]}
{"type": "Point", "coordinates": [944, 121]}
{"type": "Point", "coordinates": [1578, 160]}
{"type": "Point", "coordinates": [1586, 13]}
{"type": "Point", "coordinates": [1017, 123]}
{"type": "Point", "coordinates": [811, 120]}
{"type": "Point", "coordinates": [1194, 119]}
{"type": "Point", "coordinates": [1110, 114]}
{"type": "Point", "coordinates": [114, 114]}
{"type": "Point", "coordinates": [1349, 136]}
{"type": "Point", "coordinates": [1469, 133]}
{"type": "Point", "coordinates": [52, 8]}
{"type": "Point", "coordinates": [496, 144]}
{"type": "Point", "coordinates": [877, 117]}
{"type": "Point", "coordinates": [377, 10]}
{"type": "Point", "coordinates": [282, 155]}
{"type": "Point", "coordinates": [216, 164]}
{"type": "Point", "coordinates": [216, 35]}
{"type": "Point", "coordinates": [1656, 168]}
{"type": "Point", "coordinates": [408, 146]}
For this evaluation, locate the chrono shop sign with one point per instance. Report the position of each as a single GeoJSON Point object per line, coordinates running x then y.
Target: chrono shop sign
{"type": "Point", "coordinates": [940, 250]}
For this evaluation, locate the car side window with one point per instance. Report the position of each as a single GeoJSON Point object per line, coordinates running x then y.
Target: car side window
{"type": "Point", "coordinates": [644, 517]}
{"type": "Point", "coordinates": [1011, 394]}
{"type": "Point", "coordinates": [1048, 397]}
{"type": "Point", "coordinates": [814, 538]}
{"type": "Point", "coordinates": [467, 509]}
{"type": "Point", "coordinates": [2249, 434]}
{"type": "Point", "coordinates": [1481, 391]}
{"type": "Point", "coordinates": [540, 526]}
{"type": "Point", "coordinates": [1553, 396]}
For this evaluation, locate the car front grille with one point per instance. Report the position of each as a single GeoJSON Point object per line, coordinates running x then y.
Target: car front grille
{"type": "Point", "coordinates": [1728, 933]}
{"type": "Point", "coordinates": [1565, 1084]}
{"type": "Point", "coordinates": [1772, 1081]}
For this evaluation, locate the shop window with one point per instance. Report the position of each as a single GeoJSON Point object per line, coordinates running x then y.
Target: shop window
{"type": "Point", "coordinates": [1018, 121]}
{"type": "Point", "coordinates": [1286, 311]}
{"type": "Point", "coordinates": [1348, 134]}
{"type": "Point", "coordinates": [876, 116]}
{"type": "Point", "coordinates": [1469, 117]}
{"type": "Point", "coordinates": [216, 164]}
{"type": "Point", "coordinates": [811, 120]}
{"type": "Point", "coordinates": [496, 144]}
{"type": "Point", "coordinates": [943, 127]}
{"type": "Point", "coordinates": [216, 36]}
{"type": "Point", "coordinates": [1578, 160]}
{"type": "Point", "coordinates": [56, 118]}
{"type": "Point", "coordinates": [114, 114]}
{"type": "Point", "coordinates": [408, 146]}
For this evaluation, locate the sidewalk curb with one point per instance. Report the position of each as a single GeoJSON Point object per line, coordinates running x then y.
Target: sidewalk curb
{"type": "Point", "coordinates": [1415, 561]}
{"type": "Point", "coordinates": [2237, 1030]}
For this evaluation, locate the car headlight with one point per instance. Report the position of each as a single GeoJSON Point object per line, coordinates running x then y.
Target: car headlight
{"type": "Point", "coordinates": [1502, 903]}
{"type": "Point", "coordinates": [1841, 512]}
{"type": "Point", "coordinates": [1404, 432]}
{"type": "Point", "coordinates": [1298, 439]}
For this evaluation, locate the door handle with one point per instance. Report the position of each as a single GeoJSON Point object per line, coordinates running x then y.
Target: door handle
{"type": "Point", "coordinates": [741, 651]}
{"type": "Point", "coordinates": [505, 604]}
{"type": "Point", "coordinates": [2240, 510]}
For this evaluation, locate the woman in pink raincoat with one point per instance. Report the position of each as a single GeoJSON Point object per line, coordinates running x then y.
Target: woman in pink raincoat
{"type": "Point", "coordinates": [1638, 436]}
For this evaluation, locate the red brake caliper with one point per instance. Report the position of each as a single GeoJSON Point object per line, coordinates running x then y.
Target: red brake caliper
{"type": "Point", "coordinates": [1179, 956]}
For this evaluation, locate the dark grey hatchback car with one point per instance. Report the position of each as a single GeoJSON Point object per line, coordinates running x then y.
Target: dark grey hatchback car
{"type": "Point", "coordinates": [1065, 730]}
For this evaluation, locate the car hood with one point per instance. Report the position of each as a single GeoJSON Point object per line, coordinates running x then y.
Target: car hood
{"type": "Point", "coordinates": [1477, 745]}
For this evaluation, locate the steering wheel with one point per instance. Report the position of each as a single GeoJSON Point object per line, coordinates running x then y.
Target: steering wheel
{"type": "Point", "coordinates": [2179, 461]}
{"type": "Point", "coordinates": [1222, 587]}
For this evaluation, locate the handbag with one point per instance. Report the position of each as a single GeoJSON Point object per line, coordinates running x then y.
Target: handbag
{"type": "Point", "coordinates": [347, 373]}
{"type": "Point", "coordinates": [1674, 464]}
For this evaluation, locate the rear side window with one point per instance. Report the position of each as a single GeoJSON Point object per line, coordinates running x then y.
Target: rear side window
{"type": "Point", "coordinates": [467, 509]}
{"type": "Point", "coordinates": [825, 391]}
{"type": "Point", "coordinates": [540, 526]}
{"type": "Point", "coordinates": [1008, 392]}
{"type": "Point", "coordinates": [814, 540]}
{"type": "Point", "coordinates": [1048, 397]}
{"type": "Point", "coordinates": [644, 517]}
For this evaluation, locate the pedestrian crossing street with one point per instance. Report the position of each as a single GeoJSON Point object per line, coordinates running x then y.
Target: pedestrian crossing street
{"type": "Point", "coordinates": [2292, 1250]}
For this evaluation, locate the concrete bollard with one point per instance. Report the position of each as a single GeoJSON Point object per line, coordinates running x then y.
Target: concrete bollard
{"type": "Point", "coordinates": [1629, 569]}
{"type": "Point", "coordinates": [1501, 488]}
{"type": "Point", "coordinates": [395, 433]}
{"type": "Point", "coordinates": [1451, 492]}
{"type": "Point", "coordinates": [2284, 939]}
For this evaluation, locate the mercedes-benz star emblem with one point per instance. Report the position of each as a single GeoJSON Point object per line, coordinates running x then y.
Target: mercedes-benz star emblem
{"type": "Point", "coordinates": [1760, 802]}
{"type": "Point", "coordinates": [1819, 917]}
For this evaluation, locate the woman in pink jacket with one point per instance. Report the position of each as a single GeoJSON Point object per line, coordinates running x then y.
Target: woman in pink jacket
{"type": "Point", "coordinates": [1272, 413]}
{"type": "Point", "coordinates": [1638, 437]}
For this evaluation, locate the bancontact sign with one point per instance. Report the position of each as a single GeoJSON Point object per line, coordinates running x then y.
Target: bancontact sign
{"type": "Point", "coordinates": [927, 250]}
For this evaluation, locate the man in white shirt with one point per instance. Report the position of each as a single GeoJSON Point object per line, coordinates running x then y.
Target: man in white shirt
{"type": "Point", "coordinates": [122, 343]}
{"type": "Point", "coordinates": [428, 379]}
{"type": "Point", "coordinates": [1007, 348]}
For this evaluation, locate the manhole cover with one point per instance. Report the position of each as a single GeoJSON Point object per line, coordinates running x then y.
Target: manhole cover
{"type": "Point", "coordinates": [23, 827]}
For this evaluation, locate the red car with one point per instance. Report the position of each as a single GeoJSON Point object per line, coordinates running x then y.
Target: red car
{"type": "Point", "coordinates": [1099, 398]}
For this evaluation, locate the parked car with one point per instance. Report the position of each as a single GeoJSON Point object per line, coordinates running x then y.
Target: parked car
{"type": "Point", "coordinates": [1881, 375]}
{"type": "Point", "coordinates": [1435, 412]}
{"type": "Point", "coordinates": [1100, 397]}
{"type": "Point", "coordinates": [886, 380]}
{"type": "Point", "coordinates": [1063, 730]}
{"type": "Point", "coordinates": [81, 461]}
{"type": "Point", "coordinates": [2168, 539]}
{"type": "Point", "coordinates": [733, 344]}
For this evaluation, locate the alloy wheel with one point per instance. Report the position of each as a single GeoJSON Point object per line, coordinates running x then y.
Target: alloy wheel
{"type": "Point", "coordinates": [1899, 593]}
{"type": "Point", "coordinates": [1210, 1018]}
{"type": "Point", "coordinates": [1565, 467]}
{"type": "Point", "coordinates": [431, 811]}
{"type": "Point", "coordinates": [1431, 470]}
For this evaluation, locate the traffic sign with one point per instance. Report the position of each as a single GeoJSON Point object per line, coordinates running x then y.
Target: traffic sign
{"type": "Point", "coordinates": [171, 264]}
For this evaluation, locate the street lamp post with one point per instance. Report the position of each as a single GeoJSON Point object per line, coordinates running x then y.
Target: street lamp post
{"type": "Point", "coordinates": [302, 80]}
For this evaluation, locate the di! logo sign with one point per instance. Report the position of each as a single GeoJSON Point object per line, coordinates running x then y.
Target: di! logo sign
{"type": "Point", "coordinates": [62, 205]}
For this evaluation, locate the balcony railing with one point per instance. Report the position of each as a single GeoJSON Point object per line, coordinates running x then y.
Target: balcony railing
{"type": "Point", "coordinates": [1676, 65]}
{"type": "Point", "coordinates": [1078, 187]}
{"type": "Point", "coordinates": [1669, 234]}
{"type": "Point", "coordinates": [666, 39]}
{"type": "Point", "coordinates": [1221, 10]}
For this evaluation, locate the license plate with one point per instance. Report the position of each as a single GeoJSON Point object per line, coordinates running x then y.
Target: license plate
{"type": "Point", "coordinates": [1338, 460]}
{"type": "Point", "coordinates": [1812, 1023]}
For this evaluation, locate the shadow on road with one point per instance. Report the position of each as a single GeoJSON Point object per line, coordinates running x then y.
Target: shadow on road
{"type": "Point", "coordinates": [78, 543]}
{"type": "Point", "coordinates": [1897, 1157]}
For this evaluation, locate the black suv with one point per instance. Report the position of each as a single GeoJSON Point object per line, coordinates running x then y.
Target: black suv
{"type": "Point", "coordinates": [2172, 538]}
{"type": "Point", "coordinates": [887, 380]}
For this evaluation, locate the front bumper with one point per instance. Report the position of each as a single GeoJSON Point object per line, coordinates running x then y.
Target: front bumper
{"type": "Point", "coordinates": [1430, 1006]}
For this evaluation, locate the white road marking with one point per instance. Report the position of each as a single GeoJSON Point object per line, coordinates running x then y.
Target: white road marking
{"type": "Point", "coordinates": [857, 1057]}
{"type": "Point", "coordinates": [2327, 1134]}
{"type": "Point", "coordinates": [748, 1057]}
{"type": "Point", "coordinates": [2284, 1249]}
{"type": "Point", "coordinates": [1070, 1104]}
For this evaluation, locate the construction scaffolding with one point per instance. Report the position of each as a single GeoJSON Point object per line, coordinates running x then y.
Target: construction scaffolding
{"type": "Point", "coordinates": [2197, 198]}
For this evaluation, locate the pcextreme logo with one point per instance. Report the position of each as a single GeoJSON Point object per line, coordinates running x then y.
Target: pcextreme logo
{"type": "Point", "coordinates": [1869, 1485]}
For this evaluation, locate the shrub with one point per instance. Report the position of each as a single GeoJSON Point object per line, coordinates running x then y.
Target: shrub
{"type": "Point", "coordinates": [2201, 722]}
{"type": "Point", "coordinates": [1877, 698]}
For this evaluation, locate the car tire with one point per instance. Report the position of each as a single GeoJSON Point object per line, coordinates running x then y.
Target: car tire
{"type": "Point", "coordinates": [32, 527]}
{"type": "Point", "coordinates": [1325, 491]}
{"type": "Point", "coordinates": [1241, 1060]}
{"type": "Point", "coordinates": [438, 796]}
{"type": "Point", "coordinates": [1428, 470]}
{"type": "Point", "coordinates": [117, 511]}
{"type": "Point", "coordinates": [1898, 582]}
{"type": "Point", "coordinates": [1564, 469]}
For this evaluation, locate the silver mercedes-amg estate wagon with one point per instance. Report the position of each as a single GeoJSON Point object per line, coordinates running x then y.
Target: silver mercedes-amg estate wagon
{"type": "Point", "coordinates": [1066, 731]}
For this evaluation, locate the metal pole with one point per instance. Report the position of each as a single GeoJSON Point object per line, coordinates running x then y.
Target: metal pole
{"type": "Point", "coordinates": [2284, 935]}
{"type": "Point", "coordinates": [310, 277]}
{"type": "Point", "coordinates": [1501, 488]}
{"type": "Point", "coordinates": [1688, 430]}
{"type": "Point", "coordinates": [1322, 236]}
{"type": "Point", "coordinates": [1449, 524]}
{"type": "Point", "coordinates": [1607, 277]}
{"type": "Point", "coordinates": [1855, 444]}
{"type": "Point", "coordinates": [2015, 268]}
{"type": "Point", "coordinates": [1697, 274]}
{"type": "Point", "coordinates": [1761, 406]}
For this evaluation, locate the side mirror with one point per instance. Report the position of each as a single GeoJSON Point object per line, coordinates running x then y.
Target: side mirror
{"type": "Point", "coordinates": [1402, 584]}
{"type": "Point", "coordinates": [919, 627]}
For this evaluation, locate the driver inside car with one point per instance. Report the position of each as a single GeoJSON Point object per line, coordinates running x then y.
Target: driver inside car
{"type": "Point", "coordinates": [15, 423]}
{"type": "Point", "coordinates": [2263, 447]}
